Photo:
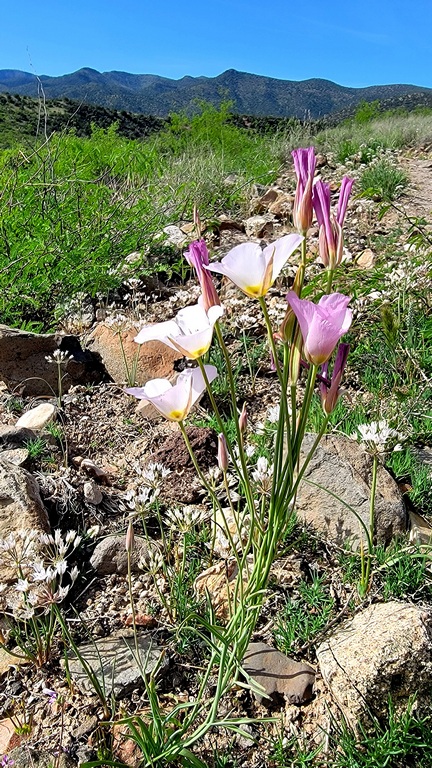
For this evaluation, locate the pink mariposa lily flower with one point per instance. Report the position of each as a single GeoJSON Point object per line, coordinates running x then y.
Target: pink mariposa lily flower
{"type": "Point", "coordinates": [304, 164]}
{"type": "Point", "coordinates": [190, 333]}
{"type": "Point", "coordinates": [322, 324]}
{"type": "Point", "coordinates": [330, 227]}
{"type": "Point", "coordinates": [254, 270]}
{"type": "Point", "coordinates": [175, 401]}
{"type": "Point", "coordinates": [198, 258]}
{"type": "Point", "coordinates": [330, 389]}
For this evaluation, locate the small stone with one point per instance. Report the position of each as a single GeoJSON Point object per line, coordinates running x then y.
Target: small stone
{"type": "Point", "coordinates": [15, 437]}
{"type": "Point", "coordinates": [366, 260]}
{"type": "Point", "coordinates": [110, 555]}
{"type": "Point", "coordinates": [175, 236]}
{"type": "Point", "coordinates": [113, 663]}
{"type": "Point", "coordinates": [420, 529]}
{"type": "Point", "coordinates": [278, 675]}
{"type": "Point", "coordinates": [92, 493]}
{"type": "Point", "coordinates": [37, 418]}
{"type": "Point", "coordinates": [219, 583]}
{"type": "Point", "coordinates": [8, 660]}
{"type": "Point", "coordinates": [260, 226]}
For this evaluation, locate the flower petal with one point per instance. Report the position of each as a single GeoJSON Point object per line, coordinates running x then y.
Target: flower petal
{"type": "Point", "coordinates": [245, 266]}
{"type": "Point", "coordinates": [282, 250]}
{"type": "Point", "coordinates": [158, 332]}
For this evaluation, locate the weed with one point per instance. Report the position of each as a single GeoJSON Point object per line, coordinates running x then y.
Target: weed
{"type": "Point", "coordinates": [403, 741]}
{"type": "Point", "coordinates": [382, 180]}
{"type": "Point", "coordinates": [403, 571]}
{"type": "Point", "coordinates": [36, 447]}
{"type": "Point", "coordinates": [302, 619]}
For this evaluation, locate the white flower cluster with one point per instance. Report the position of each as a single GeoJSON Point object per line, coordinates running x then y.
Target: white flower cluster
{"type": "Point", "coordinates": [40, 562]}
{"type": "Point", "coordinates": [378, 435]}
{"type": "Point", "coordinates": [153, 475]}
{"type": "Point", "coordinates": [59, 357]}
{"type": "Point", "coordinates": [185, 519]}
{"type": "Point", "coordinates": [262, 475]}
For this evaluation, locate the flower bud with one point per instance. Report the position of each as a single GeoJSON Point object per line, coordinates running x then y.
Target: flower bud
{"type": "Point", "coordinates": [243, 419]}
{"type": "Point", "coordinates": [130, 537]}
{"type": "Point", "coordinates": [222, 453]}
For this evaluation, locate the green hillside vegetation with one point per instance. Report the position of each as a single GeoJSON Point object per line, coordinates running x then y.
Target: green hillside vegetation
{"type": "Point", "coordinates": [72, 207]}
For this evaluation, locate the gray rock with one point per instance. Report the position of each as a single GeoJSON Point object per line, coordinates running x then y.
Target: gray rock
{"type": "Point", "coordinates": [386, 650]}
{"type": "Point", "coordinates": [113, 662]}
{"type": "Point", "coordinates": [110, 555]}
{"type": "Point", "coordinates": [92, 493]}
{"type": "Point", "coordinates": [278, 674]}
{"type": "Point", "coordinates": [343, 467]}
{"type": "Point", "coordinates": [15, 437]}
{"type": "Point", "coordinates": [17, 456]}
{"type": "Point", "coordinates": [21, 507]}
{"type": "Point", "coordinates": [260, 226]}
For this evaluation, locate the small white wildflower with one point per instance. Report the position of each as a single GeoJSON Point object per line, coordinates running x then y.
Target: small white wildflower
{"type": "Point", "coordinates": [249, 451]}
{"type": "Point", "coordinates": [22, 585]}
{"type": "Point", "coordinates": [74, 574]}
{"type": "Point", "coordinates": [93, 531]}
{"type": "Point", "coordinates": [377, 434]}
{"type": "Point", "coordinates": [273, 414]}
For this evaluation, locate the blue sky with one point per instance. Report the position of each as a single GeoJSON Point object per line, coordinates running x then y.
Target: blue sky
{"type": "Point", "coordinates": [352, 43]}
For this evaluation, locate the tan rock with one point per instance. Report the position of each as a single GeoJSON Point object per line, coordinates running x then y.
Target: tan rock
{"type": "Point", "coordinates": [21, 507]}
{"type": "Point", "coordinates": [155, 360]}
{"type": "Point", "coordinates": [218, 582]}
{"type": "Point", "coordinates": [37, 418]}
{"type": "Point", "coordinates": [282, 206]}
{"type": "Point", "coordinates": [384, 652]}
{"type": "Point", "coordinates": [366, 260]}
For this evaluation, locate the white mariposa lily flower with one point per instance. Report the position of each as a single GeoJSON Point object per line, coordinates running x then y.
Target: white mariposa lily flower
{"type": "Point", "coordinates": [254, 270]}
{"type": "Point", "coordinates": [175, 402]}
{"type": "Point", "coordinates": [190, 333]}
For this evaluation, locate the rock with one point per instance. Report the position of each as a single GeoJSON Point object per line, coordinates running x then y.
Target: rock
{"type": "Point", "coordinates": [218, 582]}
{"type": "Point", "coordinates": [321, 161]}
{"type": "Point", "coordinates": [225, 225]}
{"type": "Point", "coordinates": [23, 365]}
{"type": "Point", "coordinates": [282, 206]}
{"type": "Point", "coordinates": [92, 493]}
{"type": "Point", "coordinates": [15, 437]}
{"type": "Point", "coordinates": [21, 507]}
{"type": "Point", "coordinates": [17, 456]}
{"type": "Point", "coordinates": [113, 662]}
{"type": "Point", "coordinates": [343, 467]}
{"type": "Point", "coordinates": [420, 529]}
{"type": "Point", "coordinates": [260, 226]}
{"type": "Point", "coordinates": [37, 418]}
{"type": "Point", "coordinates": [384, 651]}
{"type": "Point", "coordinates": [175, 236]}
{"type": "Point", "coordinates": [156, 360]}
{"type": "Point", "coordinates": [9, 738]}
{"type": "Point", "coordinates": [26, 757]}
{"type": "Point", "coordinates": [8, 660]}
{"type": "Point", "coordinates": [366, 260]}
{"type": "Point", "coordinates": [224, 528]}
{"type": "Point", "coordinates": [110, 556]}
{"type": "Point", "coordinates": [278, 675]}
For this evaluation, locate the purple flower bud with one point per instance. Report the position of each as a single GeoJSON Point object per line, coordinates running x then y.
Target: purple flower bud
{"type": "Point", "coordinates": [222, 453]}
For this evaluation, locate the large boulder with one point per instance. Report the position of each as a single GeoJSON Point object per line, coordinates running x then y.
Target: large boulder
{"type": "Point", "coordinates": [341, 468]}
{"type": "Point", "coordinates": [155, 360]}
{"type": "Point", "coordinates": [384, 651]}
{"type": "Point", "coordinates": [24, 367]}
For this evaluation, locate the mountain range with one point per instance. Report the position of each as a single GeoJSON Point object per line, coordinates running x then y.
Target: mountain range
{"type": "Point", "coordinates": [154, 95]}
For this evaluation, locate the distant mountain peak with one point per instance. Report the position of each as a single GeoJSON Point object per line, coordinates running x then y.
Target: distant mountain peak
{"type": "Point", "coordinates": [155, 95]}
